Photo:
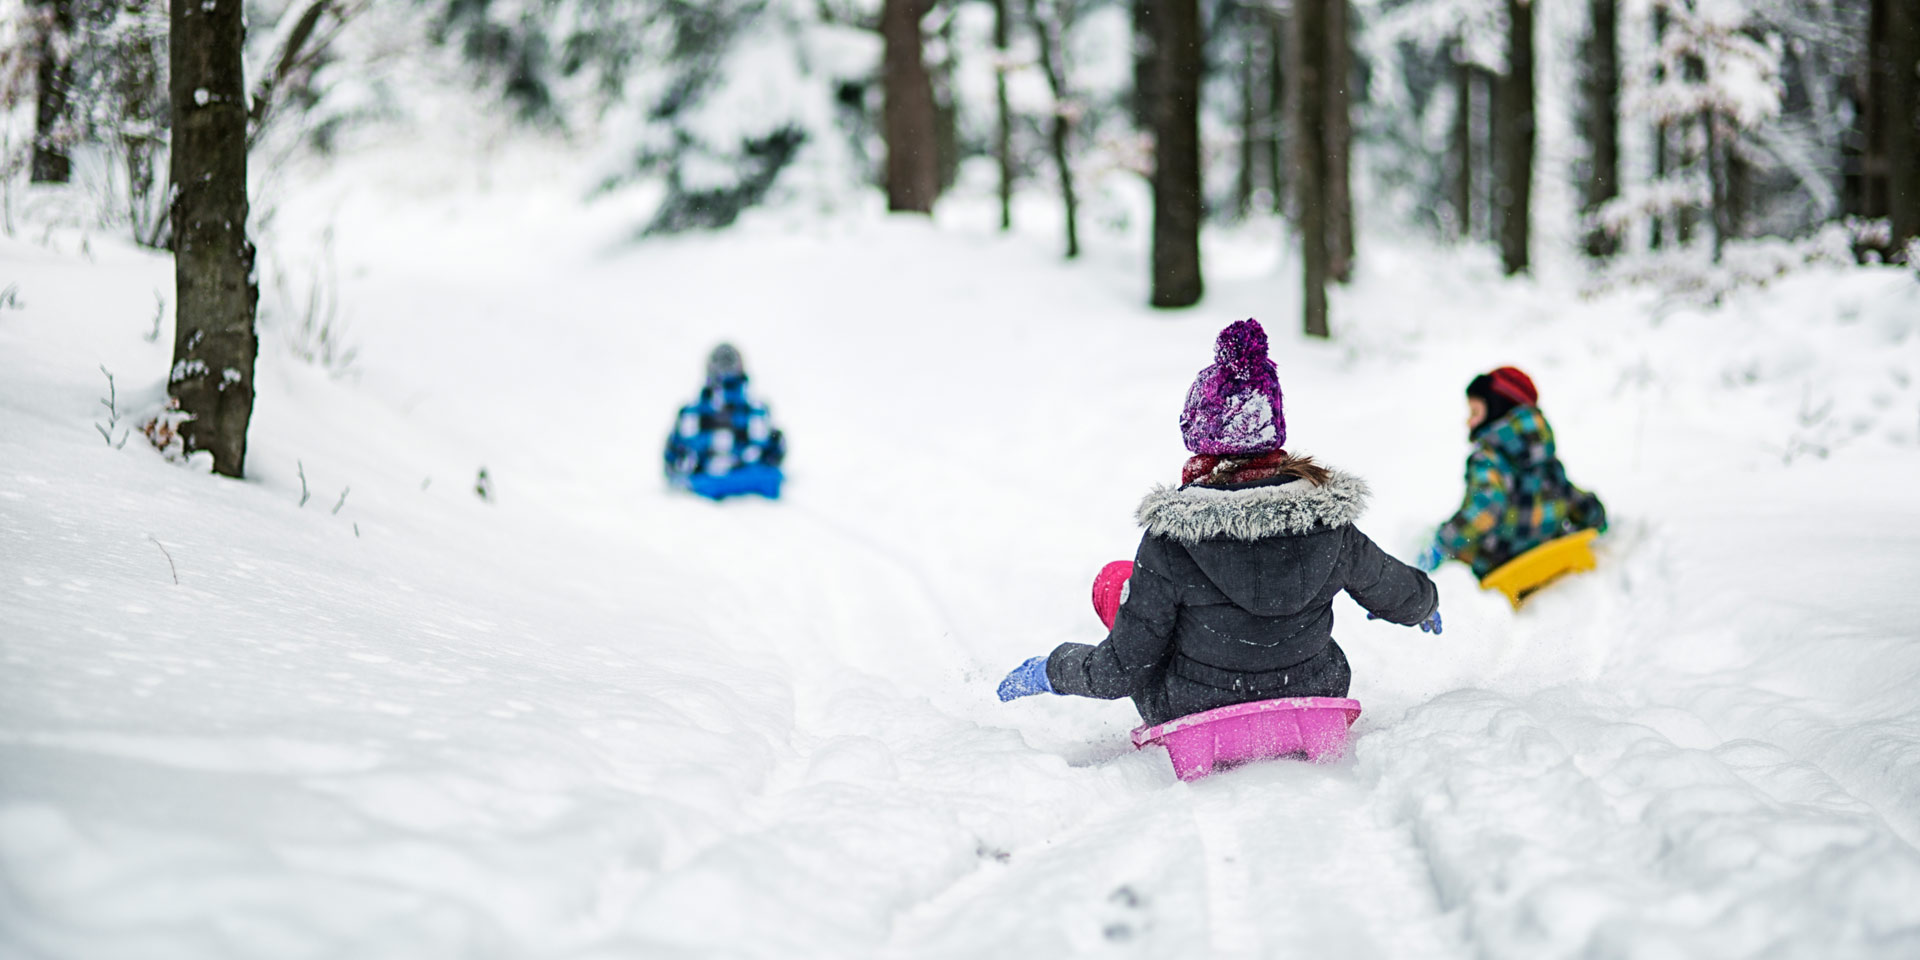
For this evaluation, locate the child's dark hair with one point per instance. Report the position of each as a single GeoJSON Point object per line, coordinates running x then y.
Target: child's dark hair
{"type": "Point", "coordinates": [1502, 390]}
{"type": "Point", "coordinates": [1305, 469]}
{"type": "Point", "coordinates": [1290, 466]}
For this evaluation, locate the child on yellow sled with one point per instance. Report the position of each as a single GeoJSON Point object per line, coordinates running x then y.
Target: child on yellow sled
{"type": "Point", "coordinates": [1518, 495]}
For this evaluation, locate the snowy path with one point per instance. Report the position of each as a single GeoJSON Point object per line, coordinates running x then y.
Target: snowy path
{"type": "Point", "coordinates": [591, 719]}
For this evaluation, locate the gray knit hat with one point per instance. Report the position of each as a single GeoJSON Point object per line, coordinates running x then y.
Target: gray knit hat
{"type": "Point", "coordinates": [723, 362]}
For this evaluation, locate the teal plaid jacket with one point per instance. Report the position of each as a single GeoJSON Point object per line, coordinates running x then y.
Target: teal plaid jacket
{"type": "Point", "coordinates": [1518, 495]}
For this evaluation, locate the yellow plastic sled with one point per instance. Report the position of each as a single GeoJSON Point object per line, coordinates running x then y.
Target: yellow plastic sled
{"type": "Point", "coordinates": [1534, 569]}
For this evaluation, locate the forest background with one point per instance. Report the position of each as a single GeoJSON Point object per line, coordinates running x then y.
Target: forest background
{"type": "Point", "coordinates": [1646, 136]}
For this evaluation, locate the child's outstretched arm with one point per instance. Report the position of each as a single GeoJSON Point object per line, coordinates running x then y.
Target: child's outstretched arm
{"type": "Point", "coordinates": [1386, 588]}
{"type": "Point", "coordinates": [679, 453]}
{"type": "Point", "coordinates": [1588, 512]}
{"type": "Point", "coordinates": [1135, 648]}
{"type": "Point", "coordinates": [1480, 510]}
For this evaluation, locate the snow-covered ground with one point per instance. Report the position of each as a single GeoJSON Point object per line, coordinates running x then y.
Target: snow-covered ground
{"type": "Point", "coordinates": [591, 718]}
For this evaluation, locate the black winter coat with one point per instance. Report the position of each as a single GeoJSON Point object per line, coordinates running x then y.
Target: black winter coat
{"type": "Point", "coordinates": [1231, 599]}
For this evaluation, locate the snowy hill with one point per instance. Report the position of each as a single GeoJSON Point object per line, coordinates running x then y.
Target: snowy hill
{"type": "Point", "coordinates": [590, 718]}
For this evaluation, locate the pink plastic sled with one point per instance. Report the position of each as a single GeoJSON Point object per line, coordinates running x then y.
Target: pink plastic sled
{"type": "Point", "coordinates": [1314, 726]}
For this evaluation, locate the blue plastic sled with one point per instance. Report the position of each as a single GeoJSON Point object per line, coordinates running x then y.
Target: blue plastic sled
{"type": "Point", "coordinates": [753, 478]}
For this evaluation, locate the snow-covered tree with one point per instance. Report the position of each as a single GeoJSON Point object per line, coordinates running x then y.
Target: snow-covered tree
{"type": "Point", "coordinates": [18, 65]}
{"type": "Point", "coordinates": [1716, 81]}
{"type": "Point", "coordinates": [53, 22]}
{"type": "Point", "coordinates": [122, 89]}
{"type": "Point", "coordinates": [1052, 21]}
{"type": "Point", "coordinates": [717, 100]}
{"type": "Point", "coordinates": [1435, 64]}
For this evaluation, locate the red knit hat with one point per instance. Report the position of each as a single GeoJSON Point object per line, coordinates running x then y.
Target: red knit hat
{"type": "Point", "coordinates": [1506, 382]}
{"type": "Point", "coordinates": [1517, 386]}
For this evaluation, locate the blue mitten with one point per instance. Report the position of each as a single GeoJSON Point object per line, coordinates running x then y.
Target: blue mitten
{"type": "Point", "coordinates": [1430, 559]}
{"type": "Point", "coordinates": [1026, 680]}
{"type": "Point", "coordinates": [1430, 625]}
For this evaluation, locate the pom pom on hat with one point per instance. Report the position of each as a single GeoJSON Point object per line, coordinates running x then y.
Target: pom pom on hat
{"type": "Point", "coordinates": [1242, 349]}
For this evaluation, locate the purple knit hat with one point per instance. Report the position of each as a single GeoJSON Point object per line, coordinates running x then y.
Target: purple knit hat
{"type": "Point", "coordinates": [1233, 408]}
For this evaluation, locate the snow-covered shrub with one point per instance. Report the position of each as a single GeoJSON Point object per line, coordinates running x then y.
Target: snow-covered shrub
{"type": "Point", "coordinates": [121, 101]}
{"type": "Point", "coordinates": [756, 100]}
{"type": "Point", "coordinates": [306, 308]}
{"type": "Point", "coordinates": [163, 430]}
{"type": "Point", "coordinates": [1691, 277]}
{"type": "Point", "coordinates": [17, 67]}
{"type": "Point", "coordinates": [715, 100]}
{"type": "Point", "coordinates": [760, 163]}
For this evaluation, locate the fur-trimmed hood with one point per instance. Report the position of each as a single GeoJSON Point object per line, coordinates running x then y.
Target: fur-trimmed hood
{"type": "Point", "coordinates": [1195, 513]}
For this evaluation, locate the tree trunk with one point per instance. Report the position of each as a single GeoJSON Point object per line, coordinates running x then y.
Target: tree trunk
{"type": "Point", "coordinates": [1177, 201]}
{"type": "Point", "coordinates": [214, 294]}
{"type": "Point", "coordinates": [1339, 99]}
{"type": "Point", "coordinates": [53, 77]}
{"type": "Point", "coordinates": [1685, 150]}
{"type": "Point", "coordinates": [1003, 132]}
{"type": "Point", "coordinates": [1717, 181]}
{"type": "Point", "coordinates": [1603, 121]}
{"type": "Point", "coordinates": [1659, 233]}
{"type": "Point", "coordinates": [1662, 159]}
{"type": "Point", "coordinates": [1486, 145]}
{"type": "Point", "coordinates": [267, 93]}
{"type": "Point", "coordinates": [1249, 129]}
{"type": "Point", "coordinates": [1875, 114]}
{"type": "Point", "coordinates": [1740, 188]}
{"type": "Point", "coordinates": [913, 149]}
{"type": "Point", "coordinates": [1277, 112]}
{"type": "Point", "coordinates": [1462, 146]}
{"type": "Point", "coordinates": [1903, 123]}
{"type": "Point", "coordinates": [946, 108]}
{"type": "Point", "coordinates": [1146, 69]}
{"type": "Point", "coordinates": [1048, 28]}
{"type": "Point", "coordinates": [1683, 218]}
{"type": "Point", "coordinates": [1516, 128]}
{"type": "Point", "coordinates": [1310, 59]}
{"type": "Point", "coordinates": [1061, 130]}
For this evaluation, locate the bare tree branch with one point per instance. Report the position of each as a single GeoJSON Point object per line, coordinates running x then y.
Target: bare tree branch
{"type": "Point", "coordinates": [163, 552]}
{"type": "Point", "coordinates": [831, 14]}
{"type": "Point", "coordinates": [306, 45]}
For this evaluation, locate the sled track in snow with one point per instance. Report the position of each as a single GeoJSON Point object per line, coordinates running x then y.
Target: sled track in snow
{"type": "Point", "coordinates": [1233, 931]}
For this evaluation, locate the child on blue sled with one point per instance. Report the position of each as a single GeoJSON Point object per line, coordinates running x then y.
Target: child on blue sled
{"type": "Point", "coordinates": [1230, 597]}
{"type": "Point", "coordinates": [724, 444]}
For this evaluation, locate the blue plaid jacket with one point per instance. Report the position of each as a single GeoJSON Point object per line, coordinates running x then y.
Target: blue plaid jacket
{"type": "Point", "coordinates": [1518, 495]}
{"type": "Point", "coordinates": [722, 431]}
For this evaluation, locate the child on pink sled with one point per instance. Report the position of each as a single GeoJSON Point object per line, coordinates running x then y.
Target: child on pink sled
{"type": "Point", "coordinates": [1221, 629]}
